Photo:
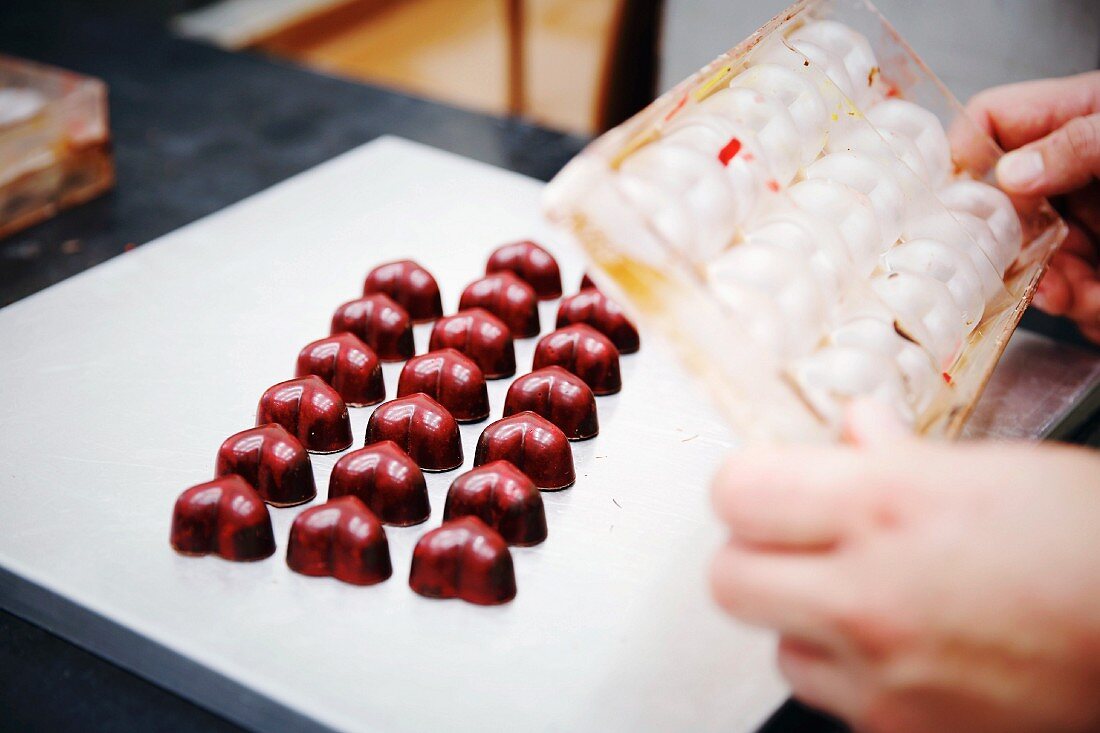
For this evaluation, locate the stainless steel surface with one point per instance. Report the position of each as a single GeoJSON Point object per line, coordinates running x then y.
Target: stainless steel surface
{"type": "Point", "coordinates": [1040, 389]}
{"type": "Point", "coordinates": [119, 385]}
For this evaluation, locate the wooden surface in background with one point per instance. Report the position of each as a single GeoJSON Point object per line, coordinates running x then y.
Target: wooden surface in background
{"type": "Point", "coordinates": [547, 60]}
{"type": "Point", "coordinates": [451, 50]}
{"type": "Point", "coordinates": [566, 58]}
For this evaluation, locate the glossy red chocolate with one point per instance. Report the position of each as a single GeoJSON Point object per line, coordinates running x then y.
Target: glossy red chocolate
{"type": "Point", "coordinates": [532, 444]}
{"type": "Point", "coordinates": [531, 263]}
{"type": "Point", "coordinates": [342, 539]}
{"type": "Point", "coordinates": [272, 461]}
{"type": "Point", "coordinates": [560, 396]}
{"type": "Point", "coordinates": [410, 285]}
{"type": "Point", "coordinates": [508, 298]}
{"type": "Point", "coordinates": [502, 496]}
{"type": "Point", "coordinates": [223, 517]}
{"type": "Point", "coordinates": [421, 427]}
{"type": "Point", "coordinates": [311, 411]}
{"type": "Point", "coordinates": [467, 559]}
{"type": "Point", "coordinates": [603, 314]}
{"type": "Point", "coordinates": [587, 283]}
{"type": "Point", "coordinates": [480, 335]}
{"type": "Point", "coordinates": [380, 322]}
{"type": "Point", "coordinates": [450, 378]}
{"type": "Point", "coordinates": [584, 351]}
{"type": "Point", "coordinates": [384, 478]}
{"type": "Point", "coordinates": [348, 365]}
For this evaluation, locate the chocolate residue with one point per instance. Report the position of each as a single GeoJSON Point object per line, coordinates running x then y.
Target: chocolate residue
{"type": "Point", "coordinates": [904, 334]}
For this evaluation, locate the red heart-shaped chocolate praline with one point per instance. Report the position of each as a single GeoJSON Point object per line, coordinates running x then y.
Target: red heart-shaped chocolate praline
{"type": "Point", "coordinates": [380, 323]}
{"type": "Point", "coordinates": [508, 298]}
{"type": "Point", "coordinates": [530, 262]}
{"type": "Point", "coordinates": [464, 558]}
{"type": "Point", "coordinates": [450, 378]}
{"type": "Point", "coordinates": [558, 395]}
{"type": "Point", "coordinates": [410, 285]}
{"type": "Point", "coordinates": [421, 427]}
{"type": "Point", "coordinates": [347, 365]}
{"type": "Point", "coordinates": [502, 496]}
{"type": "Point", "coordinates": [224, 517]}
{"type": "Point", "coordinates": [584, 351]}
{"type": "Point", "coordinates": [311, 411]}
{"type": "Point", "coordinates": [480, 335]}
{"type": "Point", "coordinates": [341, 538]}
{"type": "Point", "coordinates": [272, 461]}
{"type": "Point", "coordinates": [384, 478]}
{"type": "Point", "coordinates": [604, 315]}
{"type": "Point", "coordinates": [532, 444]}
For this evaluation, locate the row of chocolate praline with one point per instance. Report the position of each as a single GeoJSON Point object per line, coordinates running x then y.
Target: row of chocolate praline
{"type": "Point", "coordinates": [495, 505]}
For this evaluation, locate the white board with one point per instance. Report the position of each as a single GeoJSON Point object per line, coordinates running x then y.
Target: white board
{"type": "Point", "coordinates": [119, 385]}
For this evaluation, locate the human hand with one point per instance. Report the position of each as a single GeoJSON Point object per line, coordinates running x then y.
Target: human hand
{"type": "Point", "coordinates": [922, 586]}
{"type": "Point", "coordinates": [1052, 128]}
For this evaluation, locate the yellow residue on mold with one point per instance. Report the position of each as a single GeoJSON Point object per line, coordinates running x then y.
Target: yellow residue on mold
{"type": "Point", "coordinates": [709, 85]}
{"type": "Point", "coordinates": [632, 147]}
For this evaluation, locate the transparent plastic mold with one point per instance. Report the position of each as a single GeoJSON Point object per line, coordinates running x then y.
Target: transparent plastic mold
{"type": "Point", "coordinates": [54, 142]}
{"type": "Point", "coordinates": [811, 219]}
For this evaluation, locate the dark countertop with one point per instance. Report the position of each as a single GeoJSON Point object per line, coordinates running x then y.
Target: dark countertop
{"type": "Point", "coordinates": [196, 129]}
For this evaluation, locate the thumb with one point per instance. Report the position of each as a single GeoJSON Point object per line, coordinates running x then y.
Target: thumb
{"type": "Point", "coordinates": [1062, 162]}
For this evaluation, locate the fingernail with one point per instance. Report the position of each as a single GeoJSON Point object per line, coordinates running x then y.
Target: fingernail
{"type": "Point", "coordinates": [1020, 169]}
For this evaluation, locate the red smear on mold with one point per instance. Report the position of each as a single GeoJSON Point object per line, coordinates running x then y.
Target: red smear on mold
{"type": "Point", "coordinates": [679, 106]}
{"type": "Point", "coordinates": [728, 153]}
{"type": "Point", "coordinates": [947, 377]}
{"type": "Point", "coordinates": [773, 185]}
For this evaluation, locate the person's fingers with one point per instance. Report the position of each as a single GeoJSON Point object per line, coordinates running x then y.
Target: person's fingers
{"type": "Point", "coordinates": [1083, 207]}
{"type": "Point", "coordinates": [1079, 243]}
{"type": "Point", "coordinates": [1071, 285]}
{"type": "Point", "coordinates": [1018, 114]}
{"type": "Point", "coordinates": [819, 679]}
{"type": "Point", "coordinates": [1064, 161]}
{"type": "Point", "coordinates": [785, 591]}
{"type": "Point", "coordinates": [869, 423]}
{"type": "Point", "coordinates": [1053, 295]}
{"type": "Point", "coordinates": [1092, 333]}
{"type": "Point", "coordinates": [1084, 287]}
{"type": "Point", "coordinates": [804, 497]}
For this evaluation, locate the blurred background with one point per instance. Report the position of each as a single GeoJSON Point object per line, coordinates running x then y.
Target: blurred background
{"type": "Point", "coordinates": [584, 65]}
